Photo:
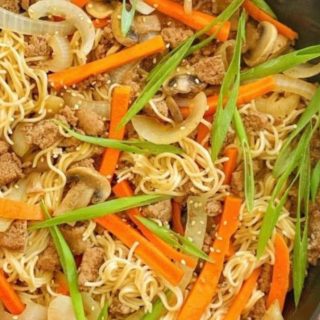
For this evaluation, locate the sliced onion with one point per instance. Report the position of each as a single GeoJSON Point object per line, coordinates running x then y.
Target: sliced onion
{"type": "Point", "coordinates": [62, 54]}
{"type": "Point", "coordinates": [102, 108]}
{"type": "Point", "coordinates": [74, 16]}
{"type": "Point", "coordinates": [20, 144]}
{"type": "Point", "coordinates": [305, 70]}
{"type": "Point", "coordinates": [187, 4]}
{"type": "Point", "coordinates": [118, 75]}
{"type": "Point", "coordinates": [273, 313]}
{"type": "Point", "coordinates": [24, 25]}
{"type": "Point", "coordinates": [91, 306]}
{"type": "Point", "coordinates": [61, 308]}
{"type": "Point", "coordinates": [32, 311]}
{"type": "Point", "coordinates": [302, 88]}
{"type": "Point", "coordinates": [152, 130]}
{"type": "Point", "coordinates": [142, 7]}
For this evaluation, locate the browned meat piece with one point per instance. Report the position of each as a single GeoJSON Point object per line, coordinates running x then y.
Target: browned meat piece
{"type": "Point", "coordinates": [161, 210]}
{"type": "Point", "coordinates": [49, 259]}
{"type": "Point", "coordinates": [237, 182]}
{"type": "Point", "coordinates": [314, 237]}
{"type": "Point", "coordinates": [10, 168]}
{"type": "Point", "coordinates": [90, 122]}
{"type": "Point", "coordinates": [15, 238]}
{"type": "Point", "coordinates": [117, 309]}
{"type": "Point", "coordinates": [174, 36]}
{"type": "Point", "coordinates": [90, 264]}
{"type": "Point", "coordinates": [258, 310]}
{"type": "Point", "coordinates": [11, 5]}
{"type": "Point", "coordinates": [134, 79]}
{"type": "Point", "coordinates": [213, 207]}
{"type": "Point", "coordinates": [25, 4]}
{"type": "Point", "coordinates": [74, 238]}
{"type": "Point", "coordinates": [146, 24]}
{"type": "Point", "coordinates": [87, 163]}
{"type": "Point", "coordinates": [255, 121]}
{"type": "Point", "coordinates": [265, 278]}
{"type": "Point", "coordinates": [210, 70]}
{"type": "Point", "coordinates": [68, 115]}
{"type": "Point", "coordinates": [207, 243]}
{"type": "Point", "coordinates": [4, 147]}
{"type": "Point", "coordinates": [37, 46]}
{"type": "Point", "coordinates": [105, 44]}
{"type": "Point", "coordinates": [43, 135]}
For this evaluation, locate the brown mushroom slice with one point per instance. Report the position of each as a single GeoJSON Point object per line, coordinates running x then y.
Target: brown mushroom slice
{"type": "Point", "coordinates": [264, 47]}
{"type": "Point", "coordinates": [99, 9]}
{"type": "Point", "coordinates": [90, 187]}
{"type": "Point", "coordinates": [174, 109]}
{"type": "Point", "coordinates": [281, 45]}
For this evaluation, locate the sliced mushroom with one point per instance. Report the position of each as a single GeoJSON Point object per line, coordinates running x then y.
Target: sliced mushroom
{"type": "Point", "coordinates": [174, 109]}
{"type": "Point", "coordinates": [89, 187]}
{"type": "Point", "coordinates": [99, 9]}
{"type": "Point", "coordinates": [131, 38]}
{"type": "Point", "coordinates": [281, 45]}
{"type": "Point", "coordinates": [183, 82]}
{"type": "Point", "coordinates": [264, 46]}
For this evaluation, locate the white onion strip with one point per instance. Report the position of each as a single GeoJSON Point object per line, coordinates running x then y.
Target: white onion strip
{"type": "Point", "coordinates": [305, 70]}
{"type": "Point", "coordinates": [143, 7]}
{"type": "Point", "coordinates": [73, 15]}
{"type": "Point", "coordinates": [24, 25]}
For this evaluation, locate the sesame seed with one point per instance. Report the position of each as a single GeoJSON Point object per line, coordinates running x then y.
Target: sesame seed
{"type": "Point", "coordinates": [183, 262]}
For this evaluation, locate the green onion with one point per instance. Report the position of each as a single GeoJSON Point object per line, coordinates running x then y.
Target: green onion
{"type": "Point", "coordinates": [230, 86]}
{"type": "Point", "coordinates": [282, 63]}
{"type": "Point", "coordinates": [158, 310]}
{"type": "Point", "coordinates": [169, 63]}
{"type": "Point", "coordinates": [301, 242]}
{"type": "Point", "coordinates": [174, 239]}
{"type": "Point", "coordinates": [312, 109]}
{"type": "Point", "coordinates": [274, 209]}
{"type": "Point", "coordinates": [127, 16]}
{"type": "Point", "coordinates": [249, 186]}
{"type": "Point", "coordinates": [265, 7]}
{"type": "Point", "coordinates": [69, 267]}
{"type": "Point", "coordinates": [103, 315]}
{"type": "Point", "coordinates": [133, 146]}
{"type": "Point", "coordinates": [315, 181]}
{"type": "Point", "coordinates": [100, 210]}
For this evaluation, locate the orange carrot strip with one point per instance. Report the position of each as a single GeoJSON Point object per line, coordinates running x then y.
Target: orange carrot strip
{"type": "Point", "coordinates": [260, 15]}
{"type": "Point", "coordinates": [176, 218]}
{"type": "Point", "coordinates": [9, 297]}
{"type": "Point", "coordinates": [230, 165]}
{"type": "Point", "coordinates": [148, 252]}
{"type": "Point", "coordinates": [123, 189]}
{"type": "Point", "coordinates": [197, 20]}
{"type": "Point", "coordinates": [12, 209]}
{"type": "Point", "coordinates": [100, 23]}
{"type": "Point", "coordinates": [119, 106]}
{"type": "Point", "coordinates": [62, 284]}
{"type": "Point", "coordinates": [205, 286]}
{"type": "Point", "coordinates": [203, 131]}
{"type": "Point", "coordinates": [281, 273]}
{"type": "Point", "coordinates": [243, 296]}
{"type": "Point", "coordinates": [80, 3]}
{"type": "Point", "coordinates": [77, 74]}
{"type": "Point", "coordinates": [231, 251]}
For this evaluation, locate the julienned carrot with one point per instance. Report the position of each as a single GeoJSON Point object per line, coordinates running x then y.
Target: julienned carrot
{"type": "Point", "coordinates": [119, 106]}
{"type": "Point", "coordinates": [9, 297]}
{"type": "Point", "coordinates": [281, 273]}
{"type": "Point", "coordinates": [203, 131]}
{"type": "Point", "coordinates": [260, 15]}
{"type": "Point", "coordinates": [62, 284]}
{"type": "Point", "coordinates": [100, 23]}
{"type": "Point", "coordinates": [77, 74]}
{"type": "Point", "coordinates": [12, 209]}
{"type": "Point", "coordinates": [148, 252]}
{"type": "Point", "coordinates": [247, 93]}
{"type": "Point", "coordinates": [80, 3]}
{"type": "Point", "coordinates": [205, 286]}
{"type": "Point", "coordinates": [123, 189]}
{"type": "Point", "coordinates": [197, 20]}
{"type": "Point", "coordinates": [230, 165]}
{"type": "Point", "coordinates": [176, 218]}
{"type": "Point", "coordinates": [243, 296]}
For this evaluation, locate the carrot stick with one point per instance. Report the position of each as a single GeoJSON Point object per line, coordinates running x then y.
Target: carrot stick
{"type": "Point", "coordinates": [80, 3]}
{"type": "Point", "coordinates": [123, 189]}
{"type": "Point", "coordinates": [243, 296]}
{"type": "Point", "coordinates": [247, 93]}
{"type": "Point", "coordinates": [176, 218]}
{"type": "Point", "coordinates": [62, 285]}
{"type": "Point", "coordinates": [148, 252]}
{"type": "Point", "coordinates": [260, 15]}
{"type": "Point", "coordinates": [281, 273]}
{"type": "Point", "coordinates": [205, 286]}
{"type": "Point", "coordinates": [230, 165]}
{"type": "Point", "coordinates": [231, 251]}
{"type": "Point", "coordinates": [119, 106]}
{"type": "Point", "coordinates": [203, 131]}
{"type": "Point", "coordinates": [100, 23]}
{"type": "Point", "coordinates": [77, 74]}
{"type": "Point", "coordinates": [12, 209]}
{"type": "Point", "coordinates": [9, 297]}
{"type": "Point", "coordinates": [197, 20]}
